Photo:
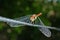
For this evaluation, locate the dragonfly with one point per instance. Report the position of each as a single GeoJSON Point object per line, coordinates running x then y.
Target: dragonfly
{"type": "Point", "coordinates": [33, 19]}
{"type": "Point", "coordinates": [30, 20]}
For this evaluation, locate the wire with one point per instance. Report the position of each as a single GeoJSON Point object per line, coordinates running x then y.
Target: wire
{"type": "Point", "coordinates": [24, 23]}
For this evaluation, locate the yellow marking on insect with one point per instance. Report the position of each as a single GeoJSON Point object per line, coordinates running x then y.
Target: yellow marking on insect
{"type": "Point", "coordinates": [34, 17]}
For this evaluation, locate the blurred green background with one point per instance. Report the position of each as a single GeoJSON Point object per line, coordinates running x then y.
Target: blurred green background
{"type": "Point", "coordinates": [17, 8]}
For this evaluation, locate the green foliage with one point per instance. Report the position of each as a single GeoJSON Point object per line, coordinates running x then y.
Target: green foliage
{"type": "Point", "coordinates": [17, 8]}
{"type": "Point", "coordinates": [1, 26]}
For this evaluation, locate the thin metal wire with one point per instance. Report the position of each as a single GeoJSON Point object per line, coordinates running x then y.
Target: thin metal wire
{"type": "Point", "coordinates": [24, 23]}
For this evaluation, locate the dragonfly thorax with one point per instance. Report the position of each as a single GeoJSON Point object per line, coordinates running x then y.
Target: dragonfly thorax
{"type": "Point", "coordinates": [33, 17]}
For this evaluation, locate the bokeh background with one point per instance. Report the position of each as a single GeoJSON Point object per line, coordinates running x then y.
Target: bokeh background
{"type": "Point", "coordinates": [50, 10]}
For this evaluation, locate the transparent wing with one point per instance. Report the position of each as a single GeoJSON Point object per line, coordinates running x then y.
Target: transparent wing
{"type": "Point", "coordinates": [22, 19]}
{"type": "Point", "coordinates": [45, 31]}
{"type": "Point", "coordinates": [26, 19]}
